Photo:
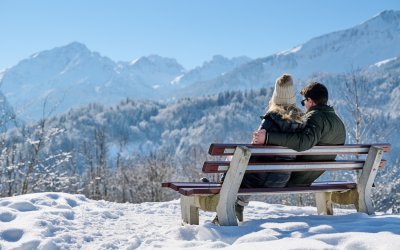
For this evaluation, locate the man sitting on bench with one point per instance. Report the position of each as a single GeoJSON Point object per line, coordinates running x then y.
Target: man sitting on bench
{"type": "Point", "coordinates": [323, 128]}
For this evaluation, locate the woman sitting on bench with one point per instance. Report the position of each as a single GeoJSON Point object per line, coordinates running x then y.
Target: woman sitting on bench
{"type": "Point", "coordinates": [282, 116]}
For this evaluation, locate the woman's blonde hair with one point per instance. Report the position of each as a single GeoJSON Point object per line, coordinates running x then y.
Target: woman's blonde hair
{"type": "Point", "coordinates": [288, 112]}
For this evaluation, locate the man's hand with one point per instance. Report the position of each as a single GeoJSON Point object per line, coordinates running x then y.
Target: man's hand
{"type": "Point", "coordinates": [259, 136]}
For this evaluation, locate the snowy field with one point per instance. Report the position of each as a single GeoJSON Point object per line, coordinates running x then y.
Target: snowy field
{"type": "Point", "coordinates": [63, 221]}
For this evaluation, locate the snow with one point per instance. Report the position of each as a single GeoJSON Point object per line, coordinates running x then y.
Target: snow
{"type": "Point", "coordinates": [64, 221]}
{"type": "Point", "coordinates": [134, 61]}
{"type": "Point", "coordinates": [379, 64]}
{"type": "Point", "coordinates": [290, 51]}
{"type": "Point", "coordinates": [177, 79]}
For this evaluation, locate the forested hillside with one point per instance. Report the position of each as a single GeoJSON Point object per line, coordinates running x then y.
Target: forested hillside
{"type": "Point", "coordinates": [113, 152]}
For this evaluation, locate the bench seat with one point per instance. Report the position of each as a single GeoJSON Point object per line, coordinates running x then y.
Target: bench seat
{"type": "Point", "coordinates": [195, 188]}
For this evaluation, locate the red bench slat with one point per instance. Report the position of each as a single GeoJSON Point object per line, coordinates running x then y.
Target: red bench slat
{"type": "Point", "coordinates": [222, 166]}
{"type": "Point", "coordinates": [193, 191]}
{"type": "Point", "coordinates": [177, 185]}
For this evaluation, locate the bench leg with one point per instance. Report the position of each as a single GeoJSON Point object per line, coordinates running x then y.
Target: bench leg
{"type": "Point", "coordinates": [367, 179]}
{"type": "Point", "coordinates": [324, 203]}
{"type": "Point", "coordinates": [189, 210]}
{"type": "Point", "coordinates": [233, 179]}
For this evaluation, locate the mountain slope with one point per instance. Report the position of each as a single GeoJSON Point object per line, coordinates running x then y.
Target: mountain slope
{"type": "Point", "coordinates": [217, 66]}
{"type": "Point", "coordinates": [338, 52]}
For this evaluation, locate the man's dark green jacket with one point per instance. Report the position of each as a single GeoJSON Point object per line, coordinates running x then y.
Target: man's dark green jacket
{"type": "Point", "coordinates": [323, 127]}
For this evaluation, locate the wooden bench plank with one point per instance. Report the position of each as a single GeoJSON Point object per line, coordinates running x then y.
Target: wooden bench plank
{"type": "Point", "coordinates": [177, 185]}
{"type": "Point", "coordinates": [199, 191]}
{"type": "Point", "coordinates": [315, 187]}
{"type": "Point", "coordinates": [228, 149]}
{"type": "Point", "coordinates": [223, 166]}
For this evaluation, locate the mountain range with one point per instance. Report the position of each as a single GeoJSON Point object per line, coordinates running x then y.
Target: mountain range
{"type": "Point", "coordinates": [56, 80]}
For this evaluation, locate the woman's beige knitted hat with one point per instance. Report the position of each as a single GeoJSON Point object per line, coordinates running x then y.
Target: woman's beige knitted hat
{"type": "Point", "coordinates": [284, 93]}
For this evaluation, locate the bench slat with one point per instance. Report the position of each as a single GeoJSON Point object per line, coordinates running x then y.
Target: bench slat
{"type": "Point", "coordinates": [315, 187]}
{"type": "Point", "coordinates": [177, 185]}
{"type": "Point", "coordinates": [228, 149]}
{"type": "Point", "coordinates": [223, 166]}
{"type": "Point", "coordinates": [199, 191]}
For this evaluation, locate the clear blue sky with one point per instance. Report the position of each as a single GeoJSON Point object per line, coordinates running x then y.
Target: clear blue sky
{"type": "Point", "coordinates": [188, 30]}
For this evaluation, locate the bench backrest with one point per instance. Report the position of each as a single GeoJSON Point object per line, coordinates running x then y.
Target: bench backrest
{"type": "Point", "coordinates": [229, 149]}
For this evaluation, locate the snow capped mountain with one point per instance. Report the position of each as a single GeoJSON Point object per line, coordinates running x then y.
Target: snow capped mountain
{"type": "Point", "coordinates": [154, 70]}
{"type": "Point", "coordinates": [61, 78]}
{"type": "Point", "coordinates": [218, 65]}
{"type": "Point", "coordinates": [64, 77]}
{"type": "Point", "coordinates": [56, 80]}
{"type": "Point", "coordinates": [342, 51]}
{"type": "Point", "coordinates": [369, 42]}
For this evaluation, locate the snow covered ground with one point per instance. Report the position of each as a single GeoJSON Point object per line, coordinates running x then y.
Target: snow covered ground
{"type": "Point", "coordinates": [63, 221]}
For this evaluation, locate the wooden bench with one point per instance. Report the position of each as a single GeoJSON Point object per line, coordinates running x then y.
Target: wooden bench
{"type": "Point", "coordinates": [240, 163]}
